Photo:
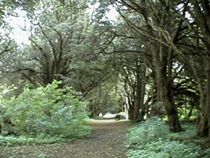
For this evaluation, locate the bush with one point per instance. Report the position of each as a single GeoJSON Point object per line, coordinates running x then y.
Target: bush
{"type": "Point", "coordinates": [152, 139]}
{"type": "Point", "coordinates": [48, 110]}
{"type": "Point", "coordinates": [150, 130]}
{"type": "Point", "coordinates": [165, 149]}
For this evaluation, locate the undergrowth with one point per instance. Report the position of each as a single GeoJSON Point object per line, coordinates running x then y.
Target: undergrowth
{"type": "Point", "coordinates": [26, 140]}
{"type": "Point", "coordinates": [47, 110]}
{"type": "Point", "coordinates": [151, 139]}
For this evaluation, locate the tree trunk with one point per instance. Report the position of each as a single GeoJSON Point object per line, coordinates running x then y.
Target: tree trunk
{"type": "Point", "coordinates": [136, 109]}
{"type": "Point", "coordinates": [139, 92]}
{"type": "Point", "coordinates": [167, 99]}
{"type": "Point", "coordinates": [190, 112]}
{"type": "Point", "coordinates": [208, 94]}
{"type": "Point", "coordinates": [162, 59]}
{"type": "Point", "coordinates": [202, 19]}
{"type": "Point", "coordinates": [204, 118]}
{"type": "Point", "coordinates": [131, 112]}
{"type": "Point", "coordinates": [142, 95]}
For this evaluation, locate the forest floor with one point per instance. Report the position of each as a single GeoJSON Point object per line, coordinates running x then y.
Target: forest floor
{"type": "Point", "coordinates": [106, 141]}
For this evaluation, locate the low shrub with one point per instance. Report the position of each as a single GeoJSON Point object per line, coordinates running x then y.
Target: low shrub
{"type": "Point", "coordinates": [150, 130]}
{"type": "Point", "coordinates": [47, 110]}
{"type": "Point", "coordinates": [166, 149]}
{"type": "Point", "coordinates": [151, 139]}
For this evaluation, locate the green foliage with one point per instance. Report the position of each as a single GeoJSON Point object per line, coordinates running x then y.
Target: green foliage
{"type": "Point", "coordinates": [151, 139]}
{"type": "Point", "coordinates": [166, 149]}
{"type": "Point", "coordinates": [42, 156]}
{"type": "Point", "coordinates": [189, 132]}
{"type": "Point", "coordinates": [149, 130]}
{"type": "Point", "coordinates": [24, 140]}
{"type": "Point", "coordinates": [184, 112]}
{"type": "Point", "coordinates": [48, 110]}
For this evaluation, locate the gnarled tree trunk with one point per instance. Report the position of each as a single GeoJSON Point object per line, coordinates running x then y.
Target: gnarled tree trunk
{"type": "Point", "coordinates": [164, 86]}
{"type": "Point", "coordinates": [163, 62]}
{"type": "Point", "coordinates": [204, 118]}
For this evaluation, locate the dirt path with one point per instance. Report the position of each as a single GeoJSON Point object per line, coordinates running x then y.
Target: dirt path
{"type": "Point", "coordinates": [106, 141]}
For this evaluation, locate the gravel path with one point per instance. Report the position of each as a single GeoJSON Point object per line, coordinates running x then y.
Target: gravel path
{"type": "Point", "coordinates": [106, 141]}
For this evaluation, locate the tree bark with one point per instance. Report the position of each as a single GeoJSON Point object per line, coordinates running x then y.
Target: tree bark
{"type": "Point", "coordinates": [167, 99]}
{"type": "Point", "coordinates": [202, 19]}
{"type": "Point", "coordinates": [136, 108]}
{"type": "Point", "coordinates": [204, 120]}
{"type": "Point", "coordinates": [208, 94]}
{"type": "Point", "coordinates": [164, 86]}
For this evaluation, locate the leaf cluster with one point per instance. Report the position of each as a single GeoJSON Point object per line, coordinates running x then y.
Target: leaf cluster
{"type": "Point", "coordinates": [48, 110]}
